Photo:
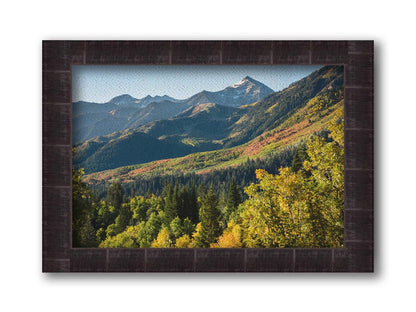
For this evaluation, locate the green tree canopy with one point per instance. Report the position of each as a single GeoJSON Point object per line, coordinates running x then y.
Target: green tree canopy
{"type": "Point", "coordinates": [209, 215]}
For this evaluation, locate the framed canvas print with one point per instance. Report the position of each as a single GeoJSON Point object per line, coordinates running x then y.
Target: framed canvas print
{"type": "Point", "coordinates": [208, 156]}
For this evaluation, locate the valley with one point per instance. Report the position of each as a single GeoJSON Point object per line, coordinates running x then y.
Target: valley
{"type": "Point", "coordinates": [209, 136]}
{"type": "Point", "coordinates": [241, 167]}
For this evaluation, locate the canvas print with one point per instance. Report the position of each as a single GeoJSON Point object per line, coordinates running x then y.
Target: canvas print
{"type": "Point", "coordinates": [208, 156]}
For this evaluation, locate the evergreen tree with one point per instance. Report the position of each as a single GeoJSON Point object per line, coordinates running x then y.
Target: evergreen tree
{"type": "Point", "coordinates": [200, 237]}
{"type": "Point", "coordinates": [87, 234]}
{"type": "Point", "coordinates": [299, 157]}
{"type": "Point", "coordinates": [222, 206]}
{"type": "Point", "coordinates": [193, 203]}
{"type": "Point", "coordinates": [153, 225]}
{"type": "Point", "coordinates": [176, 227]}
{"type": "Point", "coordinates": [209, 215]}
{"type": "Point", "coordinates": [115, 195]}
{"type": "Point", "coordinates": [188, 227]}
{"type": "Point", "coordinates": [234, 199]}
{"type": "Point", "coordinates": [170, 204]}
{"type": "Point", "coordinates": [183, 203]}
{"type": "Point", "coordinates": [202, 190]}
{"type": "Point", "coordinates": [124, 218]}
{"type": "Point", "coordinates": [83, 234]}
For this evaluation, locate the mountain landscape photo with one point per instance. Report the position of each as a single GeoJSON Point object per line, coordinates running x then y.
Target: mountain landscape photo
{"type": "Point", "coordinates": [256, 162]}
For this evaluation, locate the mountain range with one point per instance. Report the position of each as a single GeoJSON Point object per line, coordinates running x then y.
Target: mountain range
{"type": "Point", "coordinates": [207, 131]}
{"type": "Point", "coordinates": [126, 112]}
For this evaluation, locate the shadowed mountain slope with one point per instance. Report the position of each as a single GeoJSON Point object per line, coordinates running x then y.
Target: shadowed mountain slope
{"type": "Point", "coordinates": [207, 127]}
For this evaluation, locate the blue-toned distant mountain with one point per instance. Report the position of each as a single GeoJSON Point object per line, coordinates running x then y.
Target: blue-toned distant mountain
{"type": "Point", "coordinates": [95, 119]}
{"type": "Point", "coordinates": [123, 112]}
{"type": "Point", "coordinates": [246, 91]}
{"type": "Point", "coordinates": [194, 127]}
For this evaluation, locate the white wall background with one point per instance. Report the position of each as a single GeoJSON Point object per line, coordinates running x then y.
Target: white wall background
{"type": "Point", "coordinates": [23, 24]}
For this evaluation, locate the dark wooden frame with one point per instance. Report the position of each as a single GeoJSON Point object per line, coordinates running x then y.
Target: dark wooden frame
{"type": "Point", "coordinates": [58, 254]}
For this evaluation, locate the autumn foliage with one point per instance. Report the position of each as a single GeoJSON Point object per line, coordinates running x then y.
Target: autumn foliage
{"type": "Point", "coordinates": [301, 206]}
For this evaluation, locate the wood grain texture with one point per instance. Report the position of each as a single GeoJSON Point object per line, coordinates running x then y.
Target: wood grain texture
{"type": "Point", "coordinates": [88, 260]}
{"type": "Point", "coordinates": [359, 225]}
{"type": "Point", "coordinates": [361, 47]}
{"type": "Point", "coordinates": [60, 55]}
{"type": "Point", "coordinates": [56, 227]}
{"type": "Point", "coordinates": [127, 52]}
{"type": "Point", "coordinates": [329, 52]}
{"type": "Point", "coordinates": [55, 265]}
{"type": "Point", "coordinates": [313, 260]}
{"type": "Point", "coordinates": [56, 87]}
{"type": "Point", "coordinates": [355, 257]}
{"type": "Point", "coordinates": [246, 52]}
{"type": "Point", "coordinates": [195, 52]}
{"type": "Point", "coordinates": [126, 260]}
{"type": "Point", "coordinates": [359, 191]}
{"type": "Point", "coordinates": [357, 58]}
{"type": "Point", "coordinates": [169, 260]}
{"type": "Point", "coordinates": [220, 260]}
{"type": "Point", "coordinates": [291, 52]}
{"type": "Point", "coordinates": [269, 260]}
{"type": "Point", "coordinates": [56, 165]}
{"type": "Point", "coordinates": [359, 108]}
{"type": "Point", "coordinates": [56, 125]}
{"type": "Point", "coordinates": [359, 71]}
{"type": "Point", "coordinates": [359, 149]}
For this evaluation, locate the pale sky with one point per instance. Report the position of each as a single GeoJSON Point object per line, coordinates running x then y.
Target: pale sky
{"type": "Point", "coordinates": [103, 82]}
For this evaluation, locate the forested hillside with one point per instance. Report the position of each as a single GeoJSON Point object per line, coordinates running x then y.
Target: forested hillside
{"type": "Point", "coordinates": [301, 206]}
{"type": "Point", "coordinates": [211, 126]}
{"type": "Point", "coordinates": [267, 174]}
